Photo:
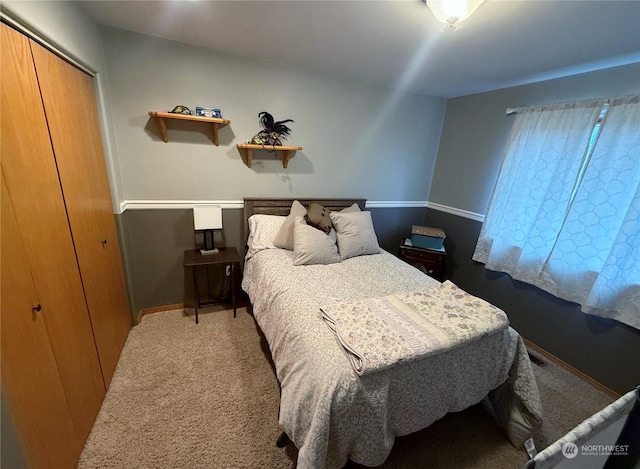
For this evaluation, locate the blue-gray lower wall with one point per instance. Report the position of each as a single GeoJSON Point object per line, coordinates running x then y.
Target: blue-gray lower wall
{"type": "Point", "coordinates": [603, 349]}
{"type": "Point", "coordinates": [470, 152]}
{"type": "Point", "coordinates": [154, 242]}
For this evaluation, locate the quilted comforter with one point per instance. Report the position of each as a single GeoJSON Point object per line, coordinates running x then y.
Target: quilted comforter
{"type": "Point", "coordinates": [331, 413]}
{"type": "Point", "coordinates": [386, 331]}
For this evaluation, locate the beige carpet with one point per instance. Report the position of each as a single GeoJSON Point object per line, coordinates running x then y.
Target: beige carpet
{"type": "Point", "coordinates": [205, 396]}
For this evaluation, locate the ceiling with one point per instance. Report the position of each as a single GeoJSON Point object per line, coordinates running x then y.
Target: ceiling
{"type": "Point", "coordinates": [399, 44]}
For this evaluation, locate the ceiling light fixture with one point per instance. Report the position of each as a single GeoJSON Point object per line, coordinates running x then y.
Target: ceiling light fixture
{"type": "Point", "coordinates": [452, 12]}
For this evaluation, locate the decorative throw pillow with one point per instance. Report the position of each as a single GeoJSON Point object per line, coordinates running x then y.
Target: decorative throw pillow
{"type": "Point", "coordinates": [284, 238]}
{"type": "Point", "coordinates": [355, 234]}
{"type": "Point", "coordinates": [311, 246]}
{"type": "Point", "coordinates": [318, 217]}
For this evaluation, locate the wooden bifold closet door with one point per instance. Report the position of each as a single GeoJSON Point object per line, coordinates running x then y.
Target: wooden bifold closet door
{"type": "Point", "coordinates": [72, 115]}
{"type": "Point", "coordinates": [64, 315]}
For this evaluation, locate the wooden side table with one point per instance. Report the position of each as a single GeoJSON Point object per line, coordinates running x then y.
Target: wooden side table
{"type": "Point", "coordinates": [227, 256]}
{"type": "Point", "coordinates": [432, 263]}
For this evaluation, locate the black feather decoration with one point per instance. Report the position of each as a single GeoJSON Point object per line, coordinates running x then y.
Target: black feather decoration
{"type": "Point", "coordinates": [272, 131]}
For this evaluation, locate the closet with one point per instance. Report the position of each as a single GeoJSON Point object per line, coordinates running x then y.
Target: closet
{"type": "Point", "coordinates": [65, 314]}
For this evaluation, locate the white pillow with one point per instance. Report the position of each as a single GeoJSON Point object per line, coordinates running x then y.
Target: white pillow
{"type": "Point", "coordinates": [351, 208]}
{"type": "Point", "coordinates": [355, 234]}
{"type": "Point", "coordinates": [284, 238]}
{"type": "Point", "coordinates": [262, 231]}
{"type": "Point", "coordinates": [312, 246]}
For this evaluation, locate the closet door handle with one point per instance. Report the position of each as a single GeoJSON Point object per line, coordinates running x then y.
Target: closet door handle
{"type": "Point", "coordinates": [104, 243]}
{"type": "Point", "coordinates": [36, 308]}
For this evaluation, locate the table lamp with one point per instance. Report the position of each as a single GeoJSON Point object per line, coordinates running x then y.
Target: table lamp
{"type": "Point", "coordinates": [207, 218]}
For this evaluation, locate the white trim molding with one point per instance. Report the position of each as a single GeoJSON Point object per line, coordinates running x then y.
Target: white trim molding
{"type": "Point", "coordinates": [238, 204]}
{"type": "Point", "coordinates": [456, 211]}
{"type": "Point", "coordinates": [396, 203]}
{"type": "Point", "coordinates": [176, 204]}
{"type": "Point", "coordinates": [225, 204]}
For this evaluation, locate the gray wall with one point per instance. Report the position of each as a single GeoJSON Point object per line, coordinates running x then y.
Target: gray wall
{"type": "Point", "coordinates": [603, 349]}
{"type": "Point", "coordinates": [157, 239]}
{"type": "Point", "coordinates": [476, 130]}
{"type": "Point", "coordinates": [358, 139]}
{"type": "Point", "coordinates": [473, 138]}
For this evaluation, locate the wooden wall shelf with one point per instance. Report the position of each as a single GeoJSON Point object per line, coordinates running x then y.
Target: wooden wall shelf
{"type": "Point", "coordinates": [161, 116]}
{"type": "Point", "coordinates": [286, 151]}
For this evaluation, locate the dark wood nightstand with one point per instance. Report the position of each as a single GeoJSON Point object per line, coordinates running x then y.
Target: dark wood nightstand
{"type": "Point", "coordinates": [227, 256]}
{"type": "Point", "coordinates": [432, 263]}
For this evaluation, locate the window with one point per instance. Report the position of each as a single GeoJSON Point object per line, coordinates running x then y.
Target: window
{"type": "Point", "coordinates": [565, 213]}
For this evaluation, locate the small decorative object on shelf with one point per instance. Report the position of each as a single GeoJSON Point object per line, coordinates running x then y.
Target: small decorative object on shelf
{"type": "Point", "coordinates": [179, 109]}
{"type": "Point", "coordinates": [270, 139]}
{"type": "Point", "coordinates": [272, 131]}
{"type": "Point", "coordinates": [208, 112]}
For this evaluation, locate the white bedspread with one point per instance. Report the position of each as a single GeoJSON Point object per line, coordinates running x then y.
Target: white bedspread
{"type": "Point", "coordinates": [332, 414]}
{"type": "Point", "coordinates": [382, 332]}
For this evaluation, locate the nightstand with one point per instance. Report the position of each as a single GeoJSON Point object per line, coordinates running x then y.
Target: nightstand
{"type": "Point", "coordinates": [226, 257]}
{"type": "Point", "coordinates": [432, 263]}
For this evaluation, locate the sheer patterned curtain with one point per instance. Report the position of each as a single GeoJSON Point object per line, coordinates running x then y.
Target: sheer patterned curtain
{"type": "Point", "coordinates": [564, 215]}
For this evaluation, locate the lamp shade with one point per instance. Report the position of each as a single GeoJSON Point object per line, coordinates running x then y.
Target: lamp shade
{"type": "Point", "coordinates": [207, 217]}
{"type": "Point", "coordinates": [453, 11]}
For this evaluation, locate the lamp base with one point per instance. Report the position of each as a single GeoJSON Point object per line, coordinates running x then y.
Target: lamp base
{"type": "Point", "coordinates": [209, 246]}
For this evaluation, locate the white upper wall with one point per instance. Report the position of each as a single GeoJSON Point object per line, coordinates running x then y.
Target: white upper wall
{"type": "Point", "coordinates": [358, 140]}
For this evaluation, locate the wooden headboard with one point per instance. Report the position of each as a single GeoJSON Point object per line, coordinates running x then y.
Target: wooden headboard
{"type": "Point", "coordinates": [269, 206]}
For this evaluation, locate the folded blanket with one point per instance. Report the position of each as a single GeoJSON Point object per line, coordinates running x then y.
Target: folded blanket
{"type": "Point", "coordinates": [378, 333]}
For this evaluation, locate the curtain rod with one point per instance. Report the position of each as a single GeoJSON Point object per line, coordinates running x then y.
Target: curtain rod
{"type": "Point", "coordinates": [585, 102]}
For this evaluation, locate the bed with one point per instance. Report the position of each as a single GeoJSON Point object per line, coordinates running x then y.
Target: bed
{"type": "Point", "coordinates": [329, 410]}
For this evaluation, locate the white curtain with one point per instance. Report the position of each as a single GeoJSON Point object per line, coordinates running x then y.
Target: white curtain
{"type": "Point", "coordinates": [565, 216]}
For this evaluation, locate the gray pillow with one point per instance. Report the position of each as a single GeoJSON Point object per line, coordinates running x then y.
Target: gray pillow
{"type": "Point", "coordinates": [284, 238]}
{"type": "Point", "coordinates": [312, 246]}
{"type": "Point", "coordinates": [355, 234]}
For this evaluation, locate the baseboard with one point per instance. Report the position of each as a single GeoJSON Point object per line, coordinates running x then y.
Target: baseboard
{"type": "Point", "coordinates": [569, 368]}
{"type": "Point", "coordinates": [157, 309]}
